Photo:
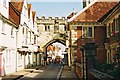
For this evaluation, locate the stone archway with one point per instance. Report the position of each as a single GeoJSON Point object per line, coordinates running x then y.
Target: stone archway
{"type": "Point", "coordinates": [51, 42]}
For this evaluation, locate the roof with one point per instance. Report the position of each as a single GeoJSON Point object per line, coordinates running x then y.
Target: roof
{"type": "Point", "coordinates": [52, 48]}
{"type": "Point", "coordinates": [71, 15]}
{"type": "Point", "coordinates": [14, 14]}
{"type": "Point", "coordinates": [29, 8]}
{"type": "Point", "coordinates": [93, 12]}
{"type": "Point", "coordinates": [18, 5]}
{"type": "Point", "coordinates": [33, 15]}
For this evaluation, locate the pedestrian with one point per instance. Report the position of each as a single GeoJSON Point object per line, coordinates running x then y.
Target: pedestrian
{"type": "Point", "coordinates": [45, 60]}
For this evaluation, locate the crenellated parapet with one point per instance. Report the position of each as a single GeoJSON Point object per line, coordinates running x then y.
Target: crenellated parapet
{"type": "Point", "coordinates": [52, 24]}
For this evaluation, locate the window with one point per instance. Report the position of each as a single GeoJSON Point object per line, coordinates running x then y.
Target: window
{"type": "Point", "coordinates": [25, 11]}
{"type": "Point", "coordinates": [30, 36]}
{"type": "Point", "coordinates": [108, 30]}
{"type": "Point", "coordinates": [26, 36]}
{"type": "Point", "coordinates": [48, 28]}
{"type": "Point", "coordinates": [87, 32]}
{"type": "Point", "coordinates": [23, 31]}
{"type": "Point", "coordinates": [45, 28]}
{"type": "Point", "coordinates": [117, 24]}
{"type": "Point", "coordinates": [3, 26]}
{"type": "Point", "coordinates": [113, 27]}
{"type": "Point", "coordinates": [12, 31]}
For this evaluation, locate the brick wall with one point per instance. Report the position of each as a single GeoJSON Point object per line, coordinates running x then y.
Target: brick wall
{"type": "Point", "coordinates": [100, 37]}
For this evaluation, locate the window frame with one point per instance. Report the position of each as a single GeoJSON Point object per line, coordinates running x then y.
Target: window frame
{"type": "Point", "coordinates": [3, 27]}
{"type": "Point", "coordinates": [87, 36]}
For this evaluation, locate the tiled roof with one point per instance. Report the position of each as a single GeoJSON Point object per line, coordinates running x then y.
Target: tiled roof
{"type": "Point", "coordinates": [94, 12]}
{"type": "Point", "coordinates": [14, 14]}
{"type": "Point", "coordinates": [29, 7]}
{"type": "Point", "coordinates": [18, 5]}
{"type": "Point", "coordinates": [15, 9]}
{"type": "Point", "coordinates": [52, 48]}
{"type": "Point", "coordinates": [33, 15]}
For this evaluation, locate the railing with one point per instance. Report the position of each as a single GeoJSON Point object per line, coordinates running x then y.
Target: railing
{"type": "Point", "coordinates": [100, 75]}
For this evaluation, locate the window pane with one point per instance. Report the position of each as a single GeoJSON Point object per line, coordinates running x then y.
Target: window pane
{"type": "Point", "coordinates": [117, 24]}
{"type": "Point", "coordinates": [109, 30]}
{"type": "Point", "coordinates": [12, 31]}
{"type": "Point", "coordinates": [45, 28]}
{"type": "Point", "coordinates": [90, 32]}
{"type": "Point", "coordinates": [84, 31]}
{"type": "Point", "coordinates": [23, 30]}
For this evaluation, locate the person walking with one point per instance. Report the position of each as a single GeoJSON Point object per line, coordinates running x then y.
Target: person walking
{"type": "Point", "coordinates": [45, 60]}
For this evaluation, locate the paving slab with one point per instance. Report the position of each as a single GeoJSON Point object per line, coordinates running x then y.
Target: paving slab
{"type": "Point", "coordinates": [19, 74]}
{"type": "Point", "coordinates": [68, 74]}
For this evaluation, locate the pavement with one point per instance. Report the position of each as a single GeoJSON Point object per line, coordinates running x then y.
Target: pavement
{"type": "Point", "coordinates": [68, 74]}
{"type": "Point", "coordinates": [19, 74]}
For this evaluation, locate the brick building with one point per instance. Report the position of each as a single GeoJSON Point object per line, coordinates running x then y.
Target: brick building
{"type": "Point", "coordinates": [87, 37]}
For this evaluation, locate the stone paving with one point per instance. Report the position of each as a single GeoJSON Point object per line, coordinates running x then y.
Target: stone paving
{"type": "Point", "coordinates": [19, 74]}
{"type": "Point", "coordinates": [67, 74]}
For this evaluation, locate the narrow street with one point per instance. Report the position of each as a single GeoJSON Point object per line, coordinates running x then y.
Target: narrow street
{"type": "Point", "coordinates": [49, 73]}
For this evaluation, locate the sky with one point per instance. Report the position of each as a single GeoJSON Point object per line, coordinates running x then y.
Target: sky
{"type": "Point", "coordinates": [59, 45]}
{"type": "Point", "coordinates": [55, 9]}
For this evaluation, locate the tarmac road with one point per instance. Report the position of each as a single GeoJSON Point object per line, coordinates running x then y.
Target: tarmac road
{"type": "Point", "coordinates": [51, 72]}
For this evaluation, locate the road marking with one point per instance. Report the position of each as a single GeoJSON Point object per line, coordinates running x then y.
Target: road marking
{"type": "Point", "coordinates": [58, 76]}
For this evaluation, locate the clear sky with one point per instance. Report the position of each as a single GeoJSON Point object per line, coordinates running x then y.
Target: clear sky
{"type": "Point", "coordinates": [54, 9]}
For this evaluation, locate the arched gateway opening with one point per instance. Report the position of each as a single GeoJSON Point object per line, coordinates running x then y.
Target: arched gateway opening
{"type": "Point", "coordinates": [54, 53]}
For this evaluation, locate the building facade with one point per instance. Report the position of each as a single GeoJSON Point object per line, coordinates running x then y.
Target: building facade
{"type": "Point", "coordinates": [7, 41]}
{"type": "Point", "coordinates": [87, 36]}
{"type": "Point", "coordinates": [18, 37]}
{"type": "Point", "coordinates": [112, 44]}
